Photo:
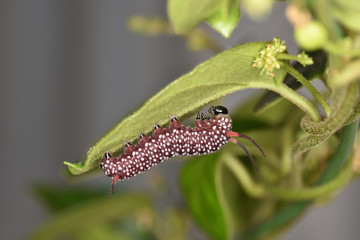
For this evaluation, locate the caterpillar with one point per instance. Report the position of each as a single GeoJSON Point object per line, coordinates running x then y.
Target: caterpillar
{"type": "Point", "coordinates": [208, 136]}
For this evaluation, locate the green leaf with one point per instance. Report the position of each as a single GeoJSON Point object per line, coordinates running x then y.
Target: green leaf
{"type": "Point", "coordinates": [347, 12]}
{"type": "Point", "coordinates": [223, 74]}
{"type": "Point", "coordinates": [186, 14]}
{"type": "Point", "coordinates": [199, 189]}
{"type": "Point", "coordinates": [56, 198]}
{"type": "Point", "coordinates": [222, 15]}
{"type": "Point", "coordinates": [226, 17]}
{"type": "Point", "coordinates": [90, 214]}
{"type": "Point", "coordinates": [101, 232]}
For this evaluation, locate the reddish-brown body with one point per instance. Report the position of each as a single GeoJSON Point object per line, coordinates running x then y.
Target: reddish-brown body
{"type": "Point", "coordinates": [208, 136]}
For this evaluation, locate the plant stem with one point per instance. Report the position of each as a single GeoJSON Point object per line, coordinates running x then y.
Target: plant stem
{"type": "Point", "coordinates": [287, 137]}
{"type": "Point", "coordinates": [310, 87]}
{"type": "Point", "coordinates": [298, 100]}
{"type": "Point", "coordinates": [314, 192]}
{"type": "Point", "coordinates": [301, 58]}
{"type": "Point", "coordinates": [242, 175]}
{"type": "Point", "coordinates": [285, 56]}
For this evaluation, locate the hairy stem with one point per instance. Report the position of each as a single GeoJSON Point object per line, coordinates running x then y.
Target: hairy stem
{"type": "Point", "coordinates": [310, 87]}
{"type": "Point", "coordinates": [298, 100]}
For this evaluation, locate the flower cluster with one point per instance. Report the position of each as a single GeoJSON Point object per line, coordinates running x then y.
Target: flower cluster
{"type": "Point", "coordinates": [267, 60]}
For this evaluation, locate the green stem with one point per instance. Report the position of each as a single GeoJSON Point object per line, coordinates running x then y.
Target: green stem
{"type": "Point", "coordinates": [256, 190]}
{"type": "Point", "coordinates": [310, 87]}
{"type": "Point", "coordinates": [243, 176]}
{"type": "Point", "coordinates": [287, 139]}
{"type": "Point", "coordinates": [292, 211]}
{"type": "Point", "coordinates": [287, 57]}
{"type": "Point", "coordinates": [298, 100]}
{"type": "Point", "coordinates": [314, 192]}
{"type": "Point", "coordinates": [301, 58]}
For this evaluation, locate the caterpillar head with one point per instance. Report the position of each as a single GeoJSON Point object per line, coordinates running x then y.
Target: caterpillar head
{"type": "Point", "coordinates": [218, 110]}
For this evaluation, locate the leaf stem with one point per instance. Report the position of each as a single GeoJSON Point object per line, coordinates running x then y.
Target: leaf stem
{"type": "Point", "coordinates": [302, 58]}
{"type": "Point", "coordinates": [310, 87]}
{"type": "Point", "coordinates": [298, 100]}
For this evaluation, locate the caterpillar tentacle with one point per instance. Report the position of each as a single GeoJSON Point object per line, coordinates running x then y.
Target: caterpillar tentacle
{"type": "Point", "coordinates": [235, 134]}
{"type": "Point", "coordinates": [208, 136]}
{"type": "Point", "coordinates": [247, 152]}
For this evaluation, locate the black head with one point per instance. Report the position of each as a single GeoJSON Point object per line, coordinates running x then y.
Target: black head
{"type": "Point", "coordinates": [218, 110]}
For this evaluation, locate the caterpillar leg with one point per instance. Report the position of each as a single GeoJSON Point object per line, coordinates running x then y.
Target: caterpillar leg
{"type": "Point", "coordinates": [174, 122]}
{"type": "Point", "coordinates": [201, 117]}
{"type": "Point", "coordinates": [114, 180]}
{"type": "Point", "coordinates": [198, 117]}
{"type": "Point", "coordinates": [205, 117]}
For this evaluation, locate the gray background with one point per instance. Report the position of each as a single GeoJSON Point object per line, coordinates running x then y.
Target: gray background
{"type": "Point", "coordinates": [70, 70]}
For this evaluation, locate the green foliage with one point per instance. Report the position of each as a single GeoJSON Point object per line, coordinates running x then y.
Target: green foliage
{"type": "Point", "coordinates": [306, 160]}
{"type": "Point", "coordinates": [225, 19]}
{"type": "Point", "coordinates": [93, 215]}
{"type": "Point", "coordinates": [57, 199]}
{"type": "Point", "coordinates": [347, 12]}
{"type": "Point", "coordinates": [198, 183]}
{"type": "Point", "coordinates": [222, 15]}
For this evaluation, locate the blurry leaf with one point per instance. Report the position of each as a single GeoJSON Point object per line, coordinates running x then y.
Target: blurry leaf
{"type": "Point", "coordinates": [102, 232]}
{"type": "Point", "coordinates": [348, 74]}
{"type": "Point", "coordinates": [198, 185]}
{"type": "Point", "coordinates": [279, 114]}
{"type": "Point", "coordinates": [147, 25]}
{"type": "Point", "coordinates": [347, 12]}
{"type": "Point", "coordinates": [56, 198]}
{"type": "Point", "coordinates": [90, 214]}
{"type": "Point", "coordinates": [186, 14]}
{"type": "Point", "coordinates": [196, 39]}
{"type": "Point", "coordinates": [223, 15]}
{"type": "Point", "coordinates": [173, 224]}
{"type": "Point", "coordinates": [226, 17]}
{"type": "Point", "coordinates": [225, 73]}
{"type": "Point", "coordinates": [249, 123]}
